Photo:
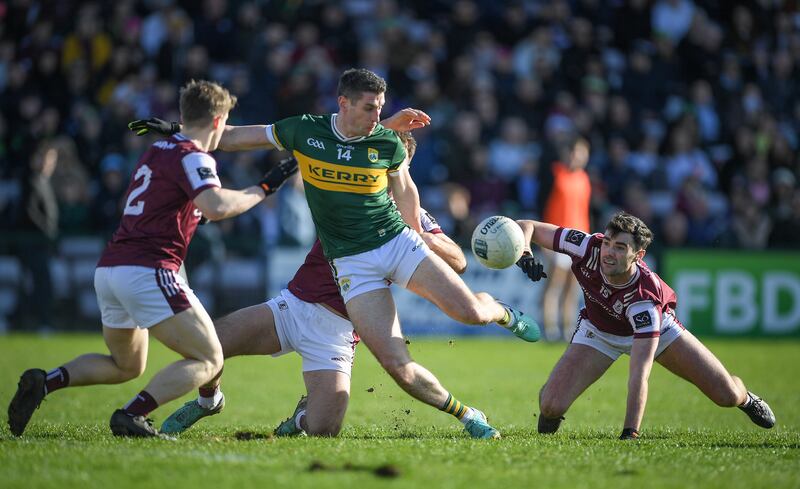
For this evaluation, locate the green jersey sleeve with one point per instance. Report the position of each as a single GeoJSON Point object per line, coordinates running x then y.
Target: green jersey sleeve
{"type": "Point", "coordinates": [399, 155]}
{"type": "Point", "coordinates": [282, 133]}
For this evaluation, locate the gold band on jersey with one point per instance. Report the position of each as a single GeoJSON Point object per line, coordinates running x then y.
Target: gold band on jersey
{"type": "Point", "coordinates": [341, 178]}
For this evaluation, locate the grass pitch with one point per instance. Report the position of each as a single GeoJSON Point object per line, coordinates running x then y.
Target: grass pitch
{"type": "Point", "coordinates": [389, 440]}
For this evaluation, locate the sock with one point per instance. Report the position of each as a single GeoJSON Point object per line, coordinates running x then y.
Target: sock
{"type": "Point", "coordinates": [209, 397]}
{"type": "Point", "coordinates": [506, 319]}
{"type": "Point", "coordinates": [298, 419]}
{"type": "Point", "coordinates": [461, 411]}
{"type": "Point", "coordinates": [58, 378]}
{"type": "Point", "coordinates": [141, 405]}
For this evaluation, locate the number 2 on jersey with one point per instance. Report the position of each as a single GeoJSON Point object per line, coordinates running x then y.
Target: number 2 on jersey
{"type": "Point", "coordinates": [138, 208]}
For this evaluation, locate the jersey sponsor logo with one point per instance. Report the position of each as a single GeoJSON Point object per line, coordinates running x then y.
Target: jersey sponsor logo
{"type": "Point", "coordinates": [618, 306]}
{"type": "Point", "coordinates": [341, 178]}
{"type": "Point", "coordinates": [575, 237]}
{"type": "Point", "coordinates": [316, 143]}
{"type": "Point", "coordinates": [205, 173]}
{"type": "Point", "coordinates": [164, 145]}
{"type": "Point", "coordinates": [372, 155]}
{"type": "Point", "coordinates": [642, 320]}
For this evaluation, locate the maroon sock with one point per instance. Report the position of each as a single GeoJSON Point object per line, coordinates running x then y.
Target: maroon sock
{"type": "Point", "coordinates": [57, 378]}
{"type": "Point", "coordinates": [207, 391]}
{"type": "Point", "coordinates": [141, 405]}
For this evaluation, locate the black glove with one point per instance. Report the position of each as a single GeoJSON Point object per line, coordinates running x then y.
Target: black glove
{"type": "Point", "coordinates": [531, 266]}
{"type": "Point", "coordinates": [277, 175]}
{"type": "Point", "coordinates": [154, 124]}
{"type": "Point", "coordinates": [629, 434]}
{"type": "Point", "coordinates": [203, 220]}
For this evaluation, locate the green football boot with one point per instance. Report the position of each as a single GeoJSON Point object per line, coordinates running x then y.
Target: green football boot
{"type": "Point", "coordinates": [187, 415]}
{"type": "Point", "coordinates": [479, 427]}
{"type": "Point", "coordinates": [522, 325]}
{"type": "Point", "coordinates": [289, 426]}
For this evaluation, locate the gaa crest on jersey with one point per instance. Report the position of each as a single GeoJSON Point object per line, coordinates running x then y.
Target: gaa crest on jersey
{"type": "Point", "coordinates": [372, 155]}
{"type": "Point", "coordinates": [618, 306]}
{"type": "Point", "coordinates": [575, 237]}
{"type": "Point", "coordinates": [605, 292]}
{"type": "Point", "coordinates": [642, 320]}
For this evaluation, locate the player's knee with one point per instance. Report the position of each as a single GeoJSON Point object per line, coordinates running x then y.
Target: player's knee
{"type": "Point", "coordinates": [550, 406]}
{"type": "Point", "coordinates": [131, 369]}
{"type": "Point", "coordinates": [324, 428]}
{"type": "Point", "coordinates": [728, 397]}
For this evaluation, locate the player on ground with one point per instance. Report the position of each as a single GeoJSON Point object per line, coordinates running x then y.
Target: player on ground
{"type": "Point", "coordinates": [138, 287]}
{"type": "Point", "coordinates": [630, 310]}
{"type": "Point", "coordinates": [310, 317]}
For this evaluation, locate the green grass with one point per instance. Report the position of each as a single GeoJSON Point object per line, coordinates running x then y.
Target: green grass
{"type": "Point", "coordinates": [688, 441]}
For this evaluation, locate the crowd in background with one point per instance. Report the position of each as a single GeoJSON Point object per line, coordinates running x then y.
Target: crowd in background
{"type": "Point", "coordinates": [691, 109]}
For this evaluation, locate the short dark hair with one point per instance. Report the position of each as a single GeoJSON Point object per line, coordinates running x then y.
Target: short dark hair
{"type": "Point", "coordinates": [409, 142]}
{"type": "Point", "coordinates": [356, 81]}
{"type": "Point", "coordinates": [202, 100]}
{"type": "Point", "coordinates": [622, 222]}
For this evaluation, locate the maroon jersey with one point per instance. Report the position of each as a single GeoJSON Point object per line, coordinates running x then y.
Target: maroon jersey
{"type": "Point", "coordinates": [635, 308]}
{"type": "Point", "coordinates": [314, 281]}
{"type": "Point", "coordinates": [159, 218]}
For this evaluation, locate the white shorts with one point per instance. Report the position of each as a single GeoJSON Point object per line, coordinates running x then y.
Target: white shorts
{"type": "Point", "coordinates": [140, 297]}
{"type": "Point", "coordinates": [613, 346]}
{"type": "Point", "coordinates": [324, 340]}
{"type": "Point", "coordinates": [392, 262]}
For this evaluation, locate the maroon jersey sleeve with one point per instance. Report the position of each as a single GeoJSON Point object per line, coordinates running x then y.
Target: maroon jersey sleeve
{"type": "Point", "coordinates": [429, 223]}
{"type": "Point", "coordinates": [573, 242]}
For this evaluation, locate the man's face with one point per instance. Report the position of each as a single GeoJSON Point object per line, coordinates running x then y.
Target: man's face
{"type": "Point", "coordinates": [617, 253]}
{"type": "Point", "coordinates": [363, 114]}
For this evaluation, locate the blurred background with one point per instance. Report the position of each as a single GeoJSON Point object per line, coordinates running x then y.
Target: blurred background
{"type": "Point", "coordinates": [684, 113]}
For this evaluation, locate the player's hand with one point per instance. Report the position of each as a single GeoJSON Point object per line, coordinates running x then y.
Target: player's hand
{"type": "Point", "coordinates": [154, 124]}
{"type": "Point", "coordinates": [407, 119]}
{"type": "Point", "coordinates": [532, 267]}
{"type": "Point", "coordinates": [629, 434]}
{"type": "Point", "coordinates": [277, 175]}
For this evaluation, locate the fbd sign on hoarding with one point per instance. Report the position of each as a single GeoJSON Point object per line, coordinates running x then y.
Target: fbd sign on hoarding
{"type": "Point", "coordinates": [736, 293]}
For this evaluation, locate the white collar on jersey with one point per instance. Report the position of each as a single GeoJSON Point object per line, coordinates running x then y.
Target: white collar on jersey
{"type": "Point", "coordinates": [628, 284]}
{"type": "Point", "coordinates": [341, 136]}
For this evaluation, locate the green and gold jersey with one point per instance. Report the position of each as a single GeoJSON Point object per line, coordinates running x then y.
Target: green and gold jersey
{"type": "Point", "coordinates": [346, 181]}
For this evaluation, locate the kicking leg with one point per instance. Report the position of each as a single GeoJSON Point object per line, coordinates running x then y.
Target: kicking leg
{"type": "Point", "coordinates": [437, 282]}
{"type": "Point", "coordinates": [579, 367]}
{"type": "Point", "coordinates": [689, 359]}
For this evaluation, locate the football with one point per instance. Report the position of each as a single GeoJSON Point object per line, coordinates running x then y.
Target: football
{"type": "Point", "coordinates": [498, 242]}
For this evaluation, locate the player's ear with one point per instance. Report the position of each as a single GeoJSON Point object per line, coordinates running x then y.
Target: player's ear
{"type": "Point", "coordinates": [216, 121]}
{"type": "Point", "coordinates": [343, 102]}
{"type": "Point", "coordinates": [640, 254]}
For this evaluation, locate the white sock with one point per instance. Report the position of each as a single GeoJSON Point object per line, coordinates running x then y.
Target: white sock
{"type": "Point", "coordinates": [470, 414]}
{"type": "Point", "coordinates": [210, 402]}
{"type": "Point", "coordinates": [298, 419]}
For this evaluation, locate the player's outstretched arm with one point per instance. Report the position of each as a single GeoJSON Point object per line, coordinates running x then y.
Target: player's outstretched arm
{"type": "Point", "coordinates": [446, 249]}
{"type": "Point", "coordinates": [218, 203]}
{"type": "Point", "coordinates": [406, 196]}
{"type": "Point", "coordinates": [540, 233]}
{"type": "Point", "coordinates": [642, 354]}
{"type": "Point", "coordinates": [407, 119]}
{"type": "Point", "coordinates": [243, 138]}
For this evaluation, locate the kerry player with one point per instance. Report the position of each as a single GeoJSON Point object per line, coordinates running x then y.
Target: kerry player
{"type": "Point", "coordinates": [138, 287]}
{"type": "Point", "coordinates": [349, 162]}
{"type": "Point", "coordinates": [629, 309]}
